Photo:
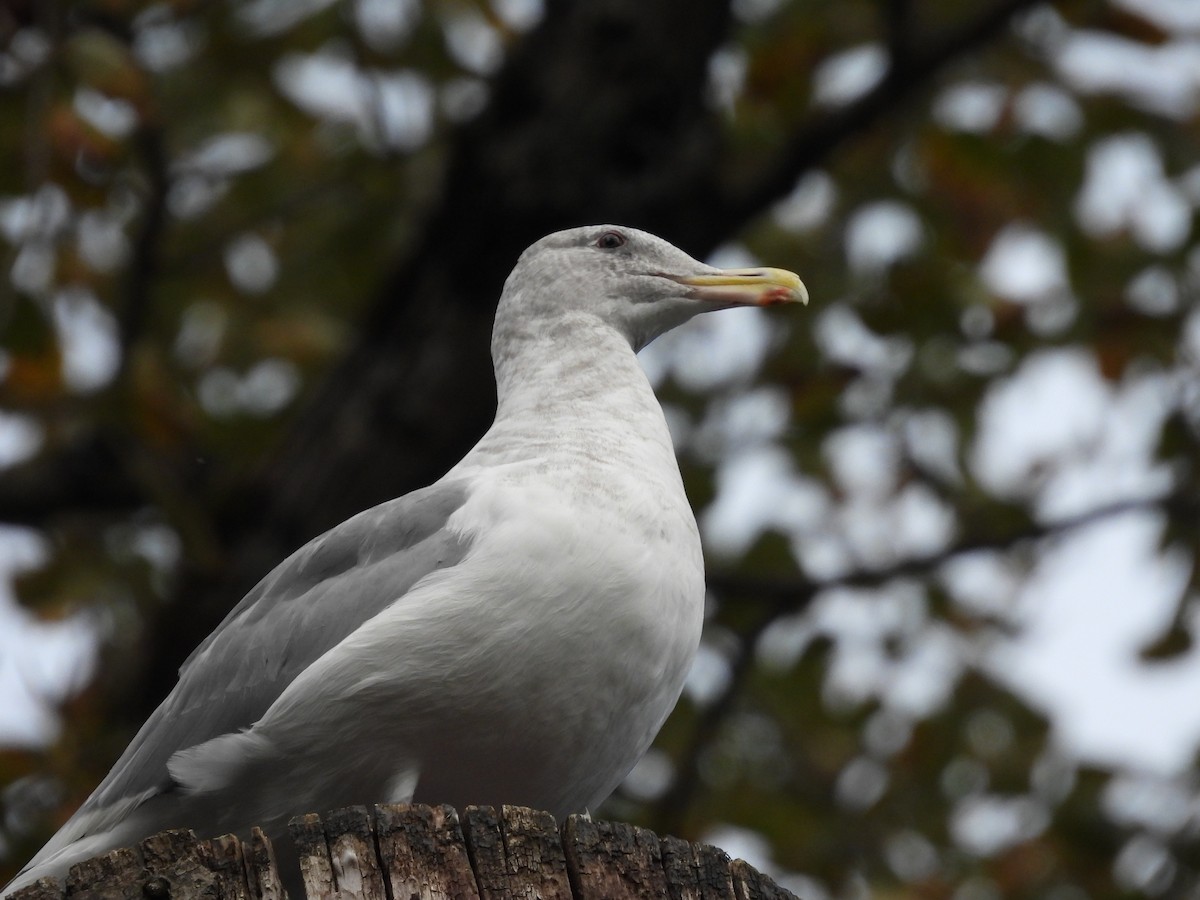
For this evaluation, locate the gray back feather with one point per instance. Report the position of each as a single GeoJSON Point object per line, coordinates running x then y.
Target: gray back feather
{"type": "Point", "coordinates": [303, 608]}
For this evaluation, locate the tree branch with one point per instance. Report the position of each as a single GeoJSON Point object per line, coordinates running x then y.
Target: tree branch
{"type": "Point", "coordinates": [898, 31]}
{"type": "Point", "coordinates": [909, 71]}
{"type": "Point", "coordinates": [88, 474]}
{"type": "Point", "coordinates": [670, 811]}
{"type": "Point", "coordinates": [786, 596]}
{"type": "Point", "coordinates": [144, 264]}
{"type": "Point", "coordinates": [789, 595]}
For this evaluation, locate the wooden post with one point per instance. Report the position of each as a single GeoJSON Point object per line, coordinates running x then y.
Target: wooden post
{"type": "Point", "coordinates": [412, 852]}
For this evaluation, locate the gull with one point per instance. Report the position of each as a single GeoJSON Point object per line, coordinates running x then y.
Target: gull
{"type": "Point", "coordinates": [515, 633]}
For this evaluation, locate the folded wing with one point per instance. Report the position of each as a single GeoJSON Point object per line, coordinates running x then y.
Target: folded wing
{"type": "Point", "coordinates": [303, 608]}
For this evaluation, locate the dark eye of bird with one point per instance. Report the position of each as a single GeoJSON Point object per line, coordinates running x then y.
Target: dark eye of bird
{"type": "Point", "coordinates": [610, 240]}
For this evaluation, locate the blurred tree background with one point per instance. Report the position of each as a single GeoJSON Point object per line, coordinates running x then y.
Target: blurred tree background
{"type": "Point", "coordinates": [251, 251]}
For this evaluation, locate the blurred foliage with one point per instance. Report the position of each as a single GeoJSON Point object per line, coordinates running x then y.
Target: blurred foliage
{"type": "Point", "coordinates": [203, 200]}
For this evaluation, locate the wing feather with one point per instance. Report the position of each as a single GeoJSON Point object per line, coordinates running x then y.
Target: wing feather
{"type": "Point", "coordinates": [304, 607]}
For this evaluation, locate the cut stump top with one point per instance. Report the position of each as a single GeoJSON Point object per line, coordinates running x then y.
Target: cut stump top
{"type": "Point", "coordinates": [414, 852]}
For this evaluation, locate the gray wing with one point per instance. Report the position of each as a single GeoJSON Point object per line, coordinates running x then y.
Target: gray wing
{"type": "Point", "coordinates": [304, 607]}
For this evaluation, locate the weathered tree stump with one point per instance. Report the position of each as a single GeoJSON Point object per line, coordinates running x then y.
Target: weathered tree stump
{"type": "Point", "coordinates": [404, 852]}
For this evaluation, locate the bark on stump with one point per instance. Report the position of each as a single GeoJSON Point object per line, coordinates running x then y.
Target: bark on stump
{"type": "Point", "coordinates": [413, 852]}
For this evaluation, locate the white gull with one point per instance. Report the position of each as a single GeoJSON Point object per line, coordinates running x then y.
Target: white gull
{"type": "Point", "coordinates": [515, 633]}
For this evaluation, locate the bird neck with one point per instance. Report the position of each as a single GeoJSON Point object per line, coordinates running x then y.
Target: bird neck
{"type": "Point", "coordinates": [575, 388]}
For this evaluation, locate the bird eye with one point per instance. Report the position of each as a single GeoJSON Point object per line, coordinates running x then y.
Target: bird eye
{"type": "Point", "coordinates": [610, 240]}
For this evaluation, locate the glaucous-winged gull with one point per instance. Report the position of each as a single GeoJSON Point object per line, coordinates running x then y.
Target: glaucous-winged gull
{"type": "Point", "coordinates": [515, 633]}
